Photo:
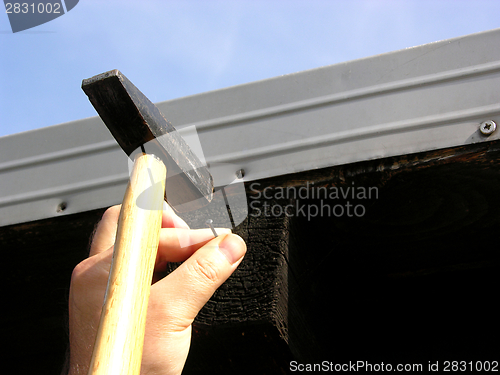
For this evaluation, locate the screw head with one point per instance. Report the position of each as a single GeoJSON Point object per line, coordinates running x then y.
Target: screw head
{"type": "Point", "coordinates": [61, 207]}
{"type": "Point", "coordinates": [487, 127]}
{"type": "Point", "coordinates": [240, 173]}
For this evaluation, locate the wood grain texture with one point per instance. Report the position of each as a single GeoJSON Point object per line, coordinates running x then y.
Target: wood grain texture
{"type": "Point", "coordinates": [120, 337]}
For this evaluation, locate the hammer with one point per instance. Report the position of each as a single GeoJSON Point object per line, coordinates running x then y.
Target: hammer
{"type": "Point", "coordinates": [161, 157]}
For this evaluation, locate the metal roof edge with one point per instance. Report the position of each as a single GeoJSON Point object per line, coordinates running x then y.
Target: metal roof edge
{"type": "Point", "coordinates": [417, 99]}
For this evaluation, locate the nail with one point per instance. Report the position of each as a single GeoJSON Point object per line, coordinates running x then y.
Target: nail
{"type": "Point", "coordinates": [210, 222]}
{"type": "Point", "coordinates": [233, 247]}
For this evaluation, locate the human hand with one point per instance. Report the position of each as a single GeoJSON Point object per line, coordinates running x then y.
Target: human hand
{"type": "Point", "coordinates": [174, 301]}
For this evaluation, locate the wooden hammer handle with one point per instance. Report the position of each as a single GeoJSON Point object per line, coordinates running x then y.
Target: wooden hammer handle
{"type": "Point", "coordinates": [120, 336]}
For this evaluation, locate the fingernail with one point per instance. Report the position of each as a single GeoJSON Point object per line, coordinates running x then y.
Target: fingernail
{"type": "Point", "coordinates": [233, 247]}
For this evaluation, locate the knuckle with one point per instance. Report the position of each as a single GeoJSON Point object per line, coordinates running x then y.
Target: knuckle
{"type": "Point", "coordinates": [78, 279]}
{"type": "Point", "coordinates": [78, 272]}
{"type": "Point", "coordinates": [206, 269]}
{"type": "Point", "coordinates": [85, 272]}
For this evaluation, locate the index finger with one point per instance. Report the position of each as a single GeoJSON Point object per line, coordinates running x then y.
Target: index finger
{"type": "Point", "coordinates": [104, 236]}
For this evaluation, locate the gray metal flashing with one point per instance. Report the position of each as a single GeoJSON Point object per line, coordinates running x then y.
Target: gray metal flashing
{"type": "Point", "coordinates": [422, 98]}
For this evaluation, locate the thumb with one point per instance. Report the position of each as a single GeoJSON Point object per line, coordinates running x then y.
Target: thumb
{"type": "Point", "coordinates": [187, 289]}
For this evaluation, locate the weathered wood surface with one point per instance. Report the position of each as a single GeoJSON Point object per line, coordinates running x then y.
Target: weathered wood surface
{"type": "Point", "coordinates": [413, 280]}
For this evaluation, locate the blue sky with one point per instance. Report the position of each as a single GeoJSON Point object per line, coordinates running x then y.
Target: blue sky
{"type": "Point", "coordinates": [170, 49]}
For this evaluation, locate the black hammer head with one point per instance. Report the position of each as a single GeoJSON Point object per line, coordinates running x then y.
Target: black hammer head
{"type": "Point", "coordinates": [136, 123]}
